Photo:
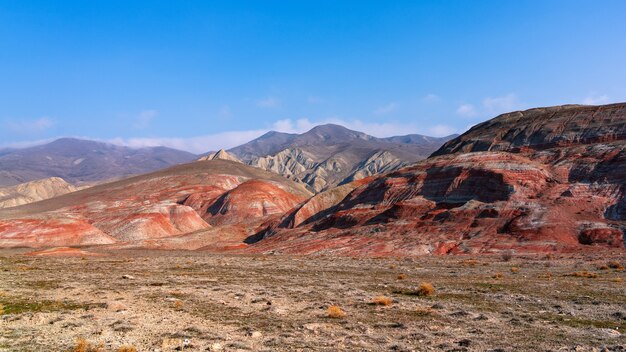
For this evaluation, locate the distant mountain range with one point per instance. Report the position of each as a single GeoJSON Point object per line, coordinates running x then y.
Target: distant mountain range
{"type": "Point", "coordinates": [320, 158]}
{"type": "Point", "coordinates": [79, 161]}
{"type": "Point", "coordinates": [330, 155]}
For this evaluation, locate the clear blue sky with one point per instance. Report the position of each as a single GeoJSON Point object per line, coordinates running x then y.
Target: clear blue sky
{"type": "Point", "coordinates": [205, 74]}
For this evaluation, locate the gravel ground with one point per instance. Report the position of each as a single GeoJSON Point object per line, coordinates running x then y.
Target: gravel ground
{"type": "Point", "coordinates": [165, 301]}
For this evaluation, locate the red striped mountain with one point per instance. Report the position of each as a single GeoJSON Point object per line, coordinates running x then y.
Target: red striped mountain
{"type": "Point", "coordinates": [546, 179]}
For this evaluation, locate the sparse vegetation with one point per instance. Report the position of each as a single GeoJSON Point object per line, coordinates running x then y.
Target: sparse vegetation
{"type": "Point", "coordinates": [423, 311]}
{"type": "Point", "coordinates": [514, 270]}
{"type": "Point", "coordinates": [127, 349]}
{"type": "Point", "coordinates": [178, 304]}
{"type": "Point", "coordinates": [615, 265]}
{"type": "Point", "coordinates": [401, 276]}
{"type": "Point", "coordinates": [507, 255]}
{"type": "Point", "coordinates": [382, 301]}
{"type": "Point", "coordinates": [425, 289]}
{"type": "Point", "coordinates": [498, 276]}
{"type": "Point", "coordinates": [585, 274]}
{"type": "Point", "coordinates": [282, 311]}
{"type": "Point", "coordinates": [83, 345]}
{"type": "Point", "coordinates": [335, 312]}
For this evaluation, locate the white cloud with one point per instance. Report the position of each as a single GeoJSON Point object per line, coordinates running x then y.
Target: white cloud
{"type": "Point", "coordinates": [144, 119]}
{"type": "Point", "coordinates": [229, 139]}
{"type": "Point", "coordinates": [30, 126]}
{"type": "Point", "coordinates": [386, 109]}
{"type": "Point", "coordinates": [269, 102]}
{"type": "Point", "coordinates": [499, 105]}
{"type": "Point", "coordinates": [199, 144]}
{"type": "Point", "coordinates": [595, 99]}
{"type": "Point", "coordinates": [441, 130]}
{"type": "Point", "coordinates": [431, 98]}
{"type": "Point", "coordinates": [466, 110]}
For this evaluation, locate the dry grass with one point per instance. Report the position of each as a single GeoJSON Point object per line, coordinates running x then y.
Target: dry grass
{"type": "Point", "coordinates": [382, 301]}
{"type": "Point", "coordinates": [507, 256]}
{"type": "Point", "coordinates": [585, 274]}
{"type": "Point", "coordinates": [401, 276]}
{"type": "Point", "coordinates": [127, 349]}
{"type": "Point", "coordinates": [515, 270]}
{"type": "Point", "coordinates": [335, 312]}
{"type": "Point", "coordinates": [423, 311]}
{"type": "Point", "coordinates": [425, 289]}
{"type": "Point", "coordinates": [1, 309]}
{"type": "Point", "coordinates": [498, 276]}
{"type": "Point", "coordinates": [603, 267]}
{"type": "Point", "coordinates": [83, 345]}
{"type": "Point", "coordinates": [178, 304]}
{"type": "Point", "coordinates": [470, 262]}
{"type": "Point", "coordinates": [614, 264]}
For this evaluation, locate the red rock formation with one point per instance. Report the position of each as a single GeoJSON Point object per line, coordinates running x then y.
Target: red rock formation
{"type": "Point", "coordinates": [549, 179]}
{"type": "Point", "coordinates": [159, 210]}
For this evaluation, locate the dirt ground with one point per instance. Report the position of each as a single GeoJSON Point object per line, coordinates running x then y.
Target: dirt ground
{"type": "Point", "coordinates": [163, 301]}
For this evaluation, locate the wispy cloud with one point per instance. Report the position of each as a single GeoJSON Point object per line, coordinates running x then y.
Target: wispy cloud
{"type": "Point", "coordinates": [386, 109]}
{"type": "Point", "coordinates": [144, 119]}
{"type": "Point", "coordinates": [596, 99]}
{"type": "Point", "coordinates": [466, 110]}
{"type": "Point", "coordinates": [30, 126]}
{"type": "Point", "coordinates": [268, 103]}
{"type": "Point", "coordinates": [491, 106]}
{"type": "Point", "coordinates": [229, 139]}
{"type": "Point", "coordinates": [499, 105]}
{"type": "Point", "coordinates": [431, 98]}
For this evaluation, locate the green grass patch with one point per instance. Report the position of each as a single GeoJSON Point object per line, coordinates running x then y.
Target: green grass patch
{"type": "Point", "coordinates": [13, 305]}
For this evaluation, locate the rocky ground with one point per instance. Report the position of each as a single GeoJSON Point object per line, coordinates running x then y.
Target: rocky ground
{"type": "Point", "coordinates": [162, 301]}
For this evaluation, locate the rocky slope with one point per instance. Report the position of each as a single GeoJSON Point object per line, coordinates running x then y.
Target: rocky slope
{"type": "Point", "coordinates": [329, 155]}
{"type": "Point", "coordinates": [78, 161]}
{"type": "Point", "coordinates": [212, 204]}
{"type": "Point", "coordinates": [549, 179]}
{"type": "Point", "coordinates": [220, 155]}
{"type": "Point", "coordinates": [34, 191]}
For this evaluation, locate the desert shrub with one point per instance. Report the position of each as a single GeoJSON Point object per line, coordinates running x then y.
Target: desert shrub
{"type": "Point", "coordinates": [603, 267]}
{"type": "Point", "coordinates": [615, 265]}
{"type": "Point", "coordinates": [507, 255]}
{"type": "Point", "coordinates": [392, 267]}
{"type": "Point", "coordinates": [83, 345]}
{"type": "Point", "coordinates": [514, 269]}
{"type": "Point", "coordinates": [546, 276]}
{"type": "Point", "coordinates": [585, 274]}
{"type": "Point", "coordinates": [498, 276]}
{"type": "Point", "coordinates": [178, 304]}
{"type": "Point", "coordinates": [127, 349]}
{"type": "Point", "coordinates": [470, 262]}
{"type": "Point", "coordinates": [335, 312]}
{"type": "Point", "coordinates": [423, 311]}
{"type": "Point", "coordinates": [401, 276]}
{"type": "Point", "coordinates": [425, 289]}
{"type": "Point", "coordinates": [382, 301]}
{"type": "Point", "coordinates": [1, 309]}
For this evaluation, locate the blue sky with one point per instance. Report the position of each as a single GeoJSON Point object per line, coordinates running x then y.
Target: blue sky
{"type": "Point", "coordinates": [200, 75]}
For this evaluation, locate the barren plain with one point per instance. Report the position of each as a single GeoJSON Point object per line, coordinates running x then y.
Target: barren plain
{"type": "Point", "coordinates": [196, 301]}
